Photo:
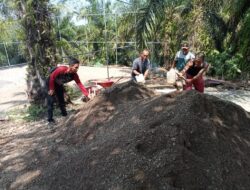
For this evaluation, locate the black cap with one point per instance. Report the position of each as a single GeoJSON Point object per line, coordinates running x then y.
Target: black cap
{"type": "Point", "coordinates": [73, 61]}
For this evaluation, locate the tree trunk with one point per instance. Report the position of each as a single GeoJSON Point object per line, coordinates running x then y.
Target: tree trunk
{"type": "Point", "coordinates": [37, 25]}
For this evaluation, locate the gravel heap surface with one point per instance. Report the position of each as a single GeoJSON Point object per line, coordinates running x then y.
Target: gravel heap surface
{"type": "Point", "coordinates": [128, 138]}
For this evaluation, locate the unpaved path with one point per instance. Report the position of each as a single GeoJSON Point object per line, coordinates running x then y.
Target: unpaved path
{"type": "Point", "coordinates": [25, 149]}
{"type": "Point", "coordinates": [12, 87]}
{"type": "Point", "coordinates": [240, 97]}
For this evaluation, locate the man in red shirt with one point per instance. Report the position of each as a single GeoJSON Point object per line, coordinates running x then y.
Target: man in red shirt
{"type": "Point", "coordinates": [60, 76]}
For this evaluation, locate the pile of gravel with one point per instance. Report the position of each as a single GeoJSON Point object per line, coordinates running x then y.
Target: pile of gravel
{"type": "Point", "coordinates": [128, 138]}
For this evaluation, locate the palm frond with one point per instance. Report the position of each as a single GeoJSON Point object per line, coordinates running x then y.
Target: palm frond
{"type": "Point", "coordinates": [238, 10]}
{"type": "Point", "coordinates": [153, 15]}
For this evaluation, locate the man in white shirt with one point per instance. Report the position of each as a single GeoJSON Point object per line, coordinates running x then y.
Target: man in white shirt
{"type": "Point", "coordinates": [182, 57]}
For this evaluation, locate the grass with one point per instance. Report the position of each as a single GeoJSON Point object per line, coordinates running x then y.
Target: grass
{"type": "Point", "coordinates": [35, 112]}
{"type": "Point", "coordinates": [73, 92]}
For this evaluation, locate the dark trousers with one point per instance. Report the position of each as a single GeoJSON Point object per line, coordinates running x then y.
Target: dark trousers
{"type": "Point", "coordinates": [59, 97]}
{"type": "Point", "coordinates": [133, 78]}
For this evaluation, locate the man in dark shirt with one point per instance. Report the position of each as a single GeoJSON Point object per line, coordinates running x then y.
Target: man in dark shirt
{"type": "Point", "coordinates": [194, 73]}
{"type": "Point", "coordinates": [141, 65]}
{"type": "Point", "coordinates": [60, 76]}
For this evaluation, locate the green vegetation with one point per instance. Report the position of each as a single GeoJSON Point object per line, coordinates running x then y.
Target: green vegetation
{"type": "Point", "coordinates": [29, 113]}
{"type": "Point", "coordinates": [114, 32]}
{"type": "Point", "coordinates": [73, 92]}
{"type": "Point", "coordinates": [35, 112]}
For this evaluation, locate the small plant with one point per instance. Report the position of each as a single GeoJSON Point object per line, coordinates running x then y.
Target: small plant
{"type": "Point", "coordinates": [35, 112]}
{"type": "Point", "coordinates": [38, 112]}
{"type": "Point", "coordinates": [72, 92]}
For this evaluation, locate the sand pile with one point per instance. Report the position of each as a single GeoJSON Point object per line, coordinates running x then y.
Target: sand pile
{"type": "Point", "coordinates": [127, 138]}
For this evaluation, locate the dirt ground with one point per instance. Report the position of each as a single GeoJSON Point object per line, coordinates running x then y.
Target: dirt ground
{"type": "Point", "coordinates": [128, 138]}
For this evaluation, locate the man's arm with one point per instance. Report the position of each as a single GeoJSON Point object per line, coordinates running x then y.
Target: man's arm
{"type": "Point", "coordinates": [201, 72]}
{"type": "Point", "coordinates": [134, 67]}
{"type": "Point", "coordinates": [174, 64]}
{"type": "Point", "coordinates": [136, 72]}
{"type": "Point", "coordinates": [187, 66]}
{"type": "Point", "coordinates": [192, 56]}
{"type": "Point", "coordinates": [147, 71]}
{"type": "Point", "coordinates": [175, 59]}
{"type": "Point", "coordinates": [80, 85]}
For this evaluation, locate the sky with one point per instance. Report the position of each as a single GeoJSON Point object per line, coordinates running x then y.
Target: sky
{"type": "Point", "coordinates": [73, 7]}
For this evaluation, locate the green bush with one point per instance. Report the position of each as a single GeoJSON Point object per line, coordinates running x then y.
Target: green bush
{"type": "Point", "coordinates": [73, 92]}
{"type": "Point", "coordinates": [35, 112]}
{"type": "Point", "coordinates": [224, 65]}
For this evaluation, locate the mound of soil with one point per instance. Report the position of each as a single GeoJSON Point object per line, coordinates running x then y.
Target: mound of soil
{"type": "Point", "coordinates": [127, 138]}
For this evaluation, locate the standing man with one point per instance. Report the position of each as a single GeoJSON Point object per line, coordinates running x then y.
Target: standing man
{"type": "Point", "coordinates": [182, 57]}
{"type": "Point", "coordinates": [56, 81]}
{"type": "Point", "coordinates": [141, 65]}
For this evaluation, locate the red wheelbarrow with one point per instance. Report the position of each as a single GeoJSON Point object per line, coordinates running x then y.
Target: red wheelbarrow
{"type": "Point", "coordinates": [105, 84]}
{"type": "Point", "coordinates": [95, 86]}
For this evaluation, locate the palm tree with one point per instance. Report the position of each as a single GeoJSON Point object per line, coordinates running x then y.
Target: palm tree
{"type": "Point", "coordinates": [37, 26]}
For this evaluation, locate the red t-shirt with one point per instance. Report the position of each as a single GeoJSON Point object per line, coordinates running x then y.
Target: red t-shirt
{"type": "Point", "coordinates": [61, 76]}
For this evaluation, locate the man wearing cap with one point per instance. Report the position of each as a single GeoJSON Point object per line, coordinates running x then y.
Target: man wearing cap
{"type": "Point", "coordinates": [182, 57]}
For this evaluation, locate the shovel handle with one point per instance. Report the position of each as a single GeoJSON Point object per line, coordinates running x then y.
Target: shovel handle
{"type": "Point", "coordinates": [182, 77]}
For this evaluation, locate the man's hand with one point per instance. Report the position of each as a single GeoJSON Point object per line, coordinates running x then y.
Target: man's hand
{"type": "Point", "coordinates": [51, 92]}
{"type": "Point", "coordinates": [85, 98]}
{"type": "Point", "coordinates": [91, 96]}
{"type": "Point", "coordinates": [140, 78]}
{"type": "Point", "coordinates": [181, 75]}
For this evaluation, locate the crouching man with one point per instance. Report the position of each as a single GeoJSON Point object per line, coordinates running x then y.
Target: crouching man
{"type": "Point", "coordinates": [141, 66]}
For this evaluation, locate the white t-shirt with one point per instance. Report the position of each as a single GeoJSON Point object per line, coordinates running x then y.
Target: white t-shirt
{"type": "Point", "coordinates": [182, 59]}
